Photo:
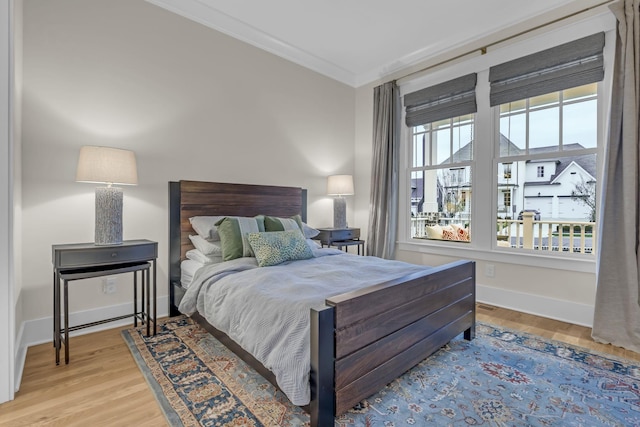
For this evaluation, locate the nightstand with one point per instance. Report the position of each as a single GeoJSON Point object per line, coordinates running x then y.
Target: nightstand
{"type": "Point", "coordinates": [341, 238]}
{"type": "Point", "coordinates": [86, 260]}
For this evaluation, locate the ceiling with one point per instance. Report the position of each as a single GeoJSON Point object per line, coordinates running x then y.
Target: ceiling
{"type": "Point", "coordinates": [360, 41]}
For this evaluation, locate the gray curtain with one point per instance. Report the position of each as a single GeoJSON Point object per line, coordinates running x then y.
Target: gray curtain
{"type": "Point", "coordinates": [383, 209]}
{"type": "Point", "coordinates": [617, 310]}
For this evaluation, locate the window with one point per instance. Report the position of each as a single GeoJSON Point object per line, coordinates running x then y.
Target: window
{"type": "Point", "coordinates": [441, 178]}
{"type": "Point", "coordinates": [506, 170]}
{"type": "Point", "coordinates": [539, 131]}
{"type": "Point", "coordinates": [506, 199]}
{"type": "Point", "coordinates": [441, 119]}
{"type": "Point", "coordinates": [552, 139]}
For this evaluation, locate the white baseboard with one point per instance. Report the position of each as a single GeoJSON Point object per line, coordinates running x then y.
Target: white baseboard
{"type": "Point", "coordinates": [20, 358]}
{"type": "Point", "coordinates": [565, 311]}
{"type": "Point", "coordinates": [39, 331]}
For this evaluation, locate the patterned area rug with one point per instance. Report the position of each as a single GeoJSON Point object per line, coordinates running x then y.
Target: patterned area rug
{"type": "Point", "coordinates": [502, 378]}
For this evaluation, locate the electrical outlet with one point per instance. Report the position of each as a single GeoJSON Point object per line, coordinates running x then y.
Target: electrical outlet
{"type": "Point", "coordinates": [489, 270]}
{"type": "Point", "coordinates": [109, 285]}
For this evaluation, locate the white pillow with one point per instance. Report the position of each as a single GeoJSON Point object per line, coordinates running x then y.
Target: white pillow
{"type": "Point", "coordinates": [205, 226]}
{"type": "Point", "coordinates": [196, 255]}
{"type": "Point", "coordinates": [309, 232]}
{"type": "Point", "coordinates": [434, 232]}
{"type": "Point", "coordinates": [313, 244]}
{"type": "Point", "coordinates": [207, 247]}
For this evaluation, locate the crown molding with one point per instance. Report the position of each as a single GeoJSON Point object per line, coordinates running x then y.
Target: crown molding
{"type": "Point", "coordinates": [204, 14]}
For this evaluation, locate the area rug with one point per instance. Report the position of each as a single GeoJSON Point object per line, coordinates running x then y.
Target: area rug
{"type": "Point", "coordinates": [501, 378]}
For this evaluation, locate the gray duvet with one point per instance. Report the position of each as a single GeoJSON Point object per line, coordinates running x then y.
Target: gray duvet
{"type": "Point", "coordinates": [266, 309]}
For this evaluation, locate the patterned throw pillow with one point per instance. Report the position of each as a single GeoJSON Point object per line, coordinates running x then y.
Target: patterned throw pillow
{"type": "Point", "coordinates": [463, 233]}
{"type": "Point", "coordinates": [276, 247]}
{"type": "Point", "coordinates": [449, 234]}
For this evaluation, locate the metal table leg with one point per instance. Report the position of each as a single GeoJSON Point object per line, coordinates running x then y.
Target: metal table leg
{"type": "Point", "coordinates": [148, 310]}
{"type": "Point", "coordinates": [56, 315]}
{"type": "Point", "coordinates": [55, 275]}
{"type": "Point", "coordinates": [66, 322]}
{"type": "Point", "coordinates": [155, 318]}
{"type": "Point", "coordinates": [135, 298]}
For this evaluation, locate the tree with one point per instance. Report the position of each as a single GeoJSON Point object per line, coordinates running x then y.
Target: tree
{"type": "Point", "coordinates": [585, 193]}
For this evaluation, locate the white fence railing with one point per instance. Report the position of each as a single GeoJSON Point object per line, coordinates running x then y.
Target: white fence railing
{"type": "Point", "coordinates": [527, 233]}
{"type": "Point", "coordinates": [419, 223]}
{"type": "Point", "coordinates": [553, 235]}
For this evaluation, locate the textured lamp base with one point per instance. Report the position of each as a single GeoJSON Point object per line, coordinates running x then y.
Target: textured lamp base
{"type": "Point", "coordinates": [339, 212]}
{"type": "Point", "coordinates": [108, 216]}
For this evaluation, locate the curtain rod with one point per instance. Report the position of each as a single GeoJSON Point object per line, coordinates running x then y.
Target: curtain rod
{"type": "Point", "coordinates": [483, 50]}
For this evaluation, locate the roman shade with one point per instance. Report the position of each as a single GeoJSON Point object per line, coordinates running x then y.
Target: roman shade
{"type": "Point", "coordinates": [569, 65]}
{"type": "Point", "coordinates": [453, 98]}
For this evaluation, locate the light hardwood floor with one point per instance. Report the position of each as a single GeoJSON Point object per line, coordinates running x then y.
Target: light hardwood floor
{"type": "Point", "coordinates": [102, 385]}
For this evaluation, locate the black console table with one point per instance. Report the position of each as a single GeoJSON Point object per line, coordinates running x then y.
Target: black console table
{"type": "Point", "coordinates": [86, 260]}
{"type": "Point", "coordinates": [341, 237]}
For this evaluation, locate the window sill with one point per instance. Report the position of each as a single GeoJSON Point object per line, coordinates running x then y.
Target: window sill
{"type": "Point", "coordinates": [566, 262]}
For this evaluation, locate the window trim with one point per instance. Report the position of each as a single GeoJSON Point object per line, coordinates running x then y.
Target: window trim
{"type": "Point", "coordinates": [483, 246]}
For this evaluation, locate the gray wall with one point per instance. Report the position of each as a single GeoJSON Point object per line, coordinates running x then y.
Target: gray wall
{"type": "Point", "coordinates": [191, 102]}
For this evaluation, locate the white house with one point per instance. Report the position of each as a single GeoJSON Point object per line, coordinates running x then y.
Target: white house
{"type": "Point", "coordinates": [550, 184]}
{"type": "Point", "coordinates": [547, 185]}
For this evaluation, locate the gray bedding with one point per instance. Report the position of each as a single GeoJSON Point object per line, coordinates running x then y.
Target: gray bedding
{"type": "Point", "coordinates": [266, 309]}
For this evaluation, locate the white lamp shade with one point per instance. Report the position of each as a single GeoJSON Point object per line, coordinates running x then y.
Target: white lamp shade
{"type": "Point", "coordinates": [107, 165]}
{"type": "Point", "coordinates": [340, 185]}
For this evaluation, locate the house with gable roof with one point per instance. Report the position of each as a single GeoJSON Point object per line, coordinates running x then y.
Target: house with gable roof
{"type": "Point", "coordinates": [550, 184]}
{"type": "Point", "coordinates": [545, 185]}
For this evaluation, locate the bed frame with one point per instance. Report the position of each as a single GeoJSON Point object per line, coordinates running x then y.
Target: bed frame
{"type": "Point", "coordinates": [360, 340]}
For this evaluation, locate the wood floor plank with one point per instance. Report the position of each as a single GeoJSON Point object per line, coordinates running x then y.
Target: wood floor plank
{"type": "Point", "coordinates": [549, 328]}
{"type": "Point", "coordinates": [102, 385]}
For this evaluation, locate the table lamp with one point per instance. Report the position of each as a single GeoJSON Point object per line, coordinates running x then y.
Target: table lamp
{"type": "Point", "coordinates": [340, 185]}
{"type": "Point", "coordinates": [105, 165]}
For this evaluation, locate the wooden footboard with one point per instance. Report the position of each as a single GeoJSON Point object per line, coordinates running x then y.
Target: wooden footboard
{"type": "Point", "coordinates": [384, 330]}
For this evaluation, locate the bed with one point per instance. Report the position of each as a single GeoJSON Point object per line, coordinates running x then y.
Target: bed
{"type": "Point", "coordinates": [359, 340]}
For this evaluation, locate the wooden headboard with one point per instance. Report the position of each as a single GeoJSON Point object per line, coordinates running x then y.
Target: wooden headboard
{"type": "Point", "coordinates": [199, 198]}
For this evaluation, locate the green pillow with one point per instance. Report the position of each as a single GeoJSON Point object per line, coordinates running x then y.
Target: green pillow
{"type": "Point", "coordinates": [272, 223]}
{"type": "Point", "coordinates": [275, 247]}
{"type": "Point", "coordinates": [233, 232]}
